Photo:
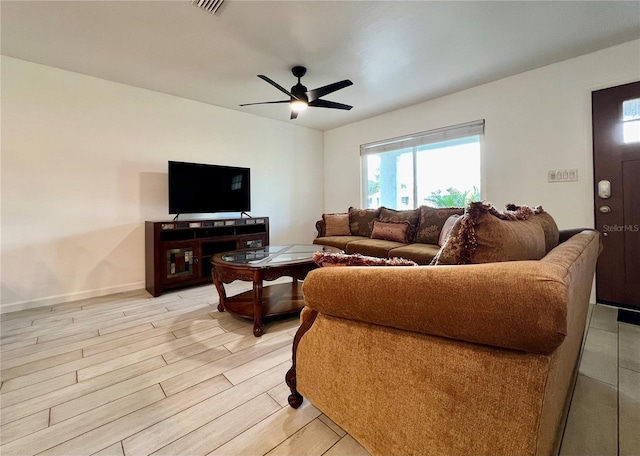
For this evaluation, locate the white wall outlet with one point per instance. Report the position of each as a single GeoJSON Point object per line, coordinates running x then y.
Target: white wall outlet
{"type": "Point", "coordinates": [562, 175]}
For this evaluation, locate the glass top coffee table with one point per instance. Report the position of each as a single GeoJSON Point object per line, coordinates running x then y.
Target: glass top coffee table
{"type": "Point", "coordinates": [260, 264]}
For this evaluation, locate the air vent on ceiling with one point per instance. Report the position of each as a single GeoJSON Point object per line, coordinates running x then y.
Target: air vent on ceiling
{"type": "Point", "coordinates": [208, 5]}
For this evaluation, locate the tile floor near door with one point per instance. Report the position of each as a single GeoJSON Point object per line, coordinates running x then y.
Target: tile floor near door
{"type": "Point", "coordinates": [604, 418]}
{"type": "Point", "coordinates": [133, 375]}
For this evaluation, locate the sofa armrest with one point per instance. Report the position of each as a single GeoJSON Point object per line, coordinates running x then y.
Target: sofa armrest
{"type": "Point", "coordinates": [569, 233]}
{"type": "Point", "coordinates": [565, 235]}
{"type": "Point", "coordinates": [320, 228]}
{"type": "Point", "coordinates": [518, 305]}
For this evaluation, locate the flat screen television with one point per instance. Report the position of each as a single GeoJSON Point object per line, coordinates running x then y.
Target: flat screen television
{"type": "Point", "coordinates": [201, 188]}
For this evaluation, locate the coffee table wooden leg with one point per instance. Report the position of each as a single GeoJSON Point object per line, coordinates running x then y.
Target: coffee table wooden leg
{"type": "Point", "coordinates": [257, 308]}
{"type": "Point", "coordinates": [221, 293]}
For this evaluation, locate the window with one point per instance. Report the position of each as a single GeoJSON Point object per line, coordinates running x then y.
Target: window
{"type": "Point", "coordinates": [439, 168]}
{"type": "Point", "coordinates": [631, 121]}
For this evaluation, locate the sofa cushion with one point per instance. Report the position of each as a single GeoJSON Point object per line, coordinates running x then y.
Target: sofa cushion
{"type": "Point", "coordinates": [486, 235]}
{"type": "Point", "coordinates": [361, 221]}
{"type": "Point", "coordinates": [420, 253]}
{"type": "Point", "coordinates": [391, 231]}
{"type": "Point", "coordinates": [341, 259]}
{"type": "Point", "coordinates": [337, 241]}
{"type": "Point", "coordinates": [336, 224]}
{"type": "Point", "coordinates": [411, 216]}
{"type": "Point", "coordinates": [431, 222]}
{"type": "Point", "coordinates": [372, 247]}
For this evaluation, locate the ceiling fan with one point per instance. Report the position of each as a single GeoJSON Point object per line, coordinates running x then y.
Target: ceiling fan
{"type": "Point", "coordinates": [301, 98]}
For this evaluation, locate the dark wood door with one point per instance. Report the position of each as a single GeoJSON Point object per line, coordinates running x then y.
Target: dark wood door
{"type": "Point", "coordinates": [616, 157]}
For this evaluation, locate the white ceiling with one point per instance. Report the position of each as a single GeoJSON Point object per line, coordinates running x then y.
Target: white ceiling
{"type": "Point", "coordinates": [396, 53]}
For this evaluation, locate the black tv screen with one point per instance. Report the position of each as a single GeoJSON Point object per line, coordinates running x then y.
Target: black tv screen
{"type": "Point", "coordinates": [200, 188]}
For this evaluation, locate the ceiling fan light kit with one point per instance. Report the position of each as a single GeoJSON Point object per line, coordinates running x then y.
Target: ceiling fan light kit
{"type": "Point", "coordinates": [300, 98]}
{"type": "Point", "coordinates": [299, 105]}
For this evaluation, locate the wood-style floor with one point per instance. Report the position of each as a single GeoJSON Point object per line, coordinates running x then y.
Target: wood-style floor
{"type": "Point", "coordinates": [134, 375]}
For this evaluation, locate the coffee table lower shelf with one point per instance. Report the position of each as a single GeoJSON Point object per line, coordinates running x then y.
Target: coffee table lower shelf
{"type": "Point", "coordinates": [262, 264]}
{"type": "Point", "coordinates": [277, 300]}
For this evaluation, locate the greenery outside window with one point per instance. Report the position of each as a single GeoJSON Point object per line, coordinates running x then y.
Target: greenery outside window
{"type": "Point", "coordinates": [439, 168]}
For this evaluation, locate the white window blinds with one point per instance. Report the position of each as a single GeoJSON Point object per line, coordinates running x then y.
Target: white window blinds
{"type": "Point", "coordinates": [426, 137]}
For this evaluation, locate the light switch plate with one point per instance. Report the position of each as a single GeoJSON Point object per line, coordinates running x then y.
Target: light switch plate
{"type": "Point", "coordinates": [562, 175]}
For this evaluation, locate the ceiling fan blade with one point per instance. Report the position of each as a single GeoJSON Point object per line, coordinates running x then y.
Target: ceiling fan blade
{"type": "Point", "coordinates": [266, 102]}
{"type": "Point", "coordinates": [329, 104]}
{"type": "Point", "coordinates": [276, 85]}
{"type": "Point", "coordinates": [294, 115]}
{"type": "Point", "coordinates": [322, 91]}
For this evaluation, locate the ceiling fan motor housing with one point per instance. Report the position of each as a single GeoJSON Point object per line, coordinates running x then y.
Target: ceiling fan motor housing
{"type": "Point", "coordinates": [299, 92]}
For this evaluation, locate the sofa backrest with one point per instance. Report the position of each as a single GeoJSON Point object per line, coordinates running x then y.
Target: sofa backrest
{"type": "Point", "coordinates": [520, 305]}
{"type": "Point", "coordinates": [425, 222]}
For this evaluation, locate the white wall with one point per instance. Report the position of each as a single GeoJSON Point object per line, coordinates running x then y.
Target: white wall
{"type": "Point", "coordinates": [535, 121]}
{"type": "Point", "coordinates": [84, 164]}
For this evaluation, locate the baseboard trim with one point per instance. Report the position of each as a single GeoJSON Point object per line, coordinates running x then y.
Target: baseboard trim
{"type": "Point", "coordinates": [60, 299]}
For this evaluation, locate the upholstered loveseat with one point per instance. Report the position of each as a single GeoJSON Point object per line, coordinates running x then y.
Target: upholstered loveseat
{"type": "Point", "coordinates": [411, 234]}
{"type": "Point", "coordinates": [449, 360]}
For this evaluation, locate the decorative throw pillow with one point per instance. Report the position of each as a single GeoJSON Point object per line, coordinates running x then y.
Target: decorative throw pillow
{"type": "Point", "coordinates": [391, 231]}
{"type": "Point", "coordinates": [343, 259]}
{"type": "Point", "coordinates": [486, 235]}
{"type": "Point", "coordinates": [412, 216]}
{"type": "Point", "coordinates": [551, 233]}
{"type": "Point", "coordinates": [446, 228]}
{"type": "Point", "coordinates": [361, 221]}
{"type": "Point", "coordinates": [336, 224]}
{"type": "Point", "coordinates": [431, 222]}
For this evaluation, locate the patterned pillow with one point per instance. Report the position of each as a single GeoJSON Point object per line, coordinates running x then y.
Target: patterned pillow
{"type": "Point", "coordinates": [343, 259]}
{"type": "Point", "coordinates": [391, 231]}
{"type": "Point", "coordinates": [336, 224]}
{"type": "Point", "coordinates": [431, 222]}
{"type": "Point", "coordinates": [361, 221]}
{"type": "Point", "coordinates": [412, 216]}
{"type": "Point", "coordinates": [486, 235]}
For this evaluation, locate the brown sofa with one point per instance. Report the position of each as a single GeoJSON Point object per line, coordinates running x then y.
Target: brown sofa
{"type": "Point", "coordinates": [447, 360]}
{"type": "Point", "coordinates": [424, 226]}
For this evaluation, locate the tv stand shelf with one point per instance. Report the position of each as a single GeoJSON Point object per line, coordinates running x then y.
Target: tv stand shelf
{"type": "Point", "coordinates": [178, 253]}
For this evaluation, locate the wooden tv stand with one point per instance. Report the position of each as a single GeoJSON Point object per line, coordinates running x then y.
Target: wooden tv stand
{"type": "Point", "coordinates": [178, 253]}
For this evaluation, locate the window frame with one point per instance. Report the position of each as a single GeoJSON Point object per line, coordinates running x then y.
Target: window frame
{"type": "Point", "coordinates": [444, 134]}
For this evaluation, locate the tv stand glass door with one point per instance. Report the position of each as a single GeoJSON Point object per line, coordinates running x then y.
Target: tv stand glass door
{"type": "Point", "coordinates": [180, 262]}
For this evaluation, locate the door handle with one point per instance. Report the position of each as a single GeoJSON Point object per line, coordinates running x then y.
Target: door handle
{"type": "Point", "coordinates": [604, 189]}
{"type": "Point", "coordinates": [604, 209]}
